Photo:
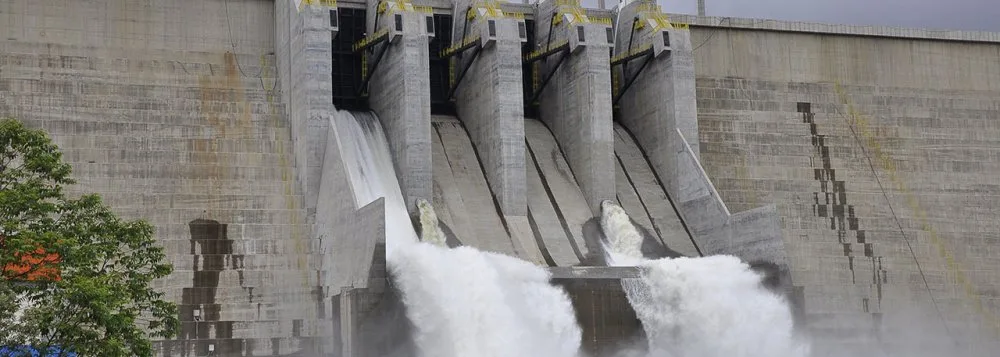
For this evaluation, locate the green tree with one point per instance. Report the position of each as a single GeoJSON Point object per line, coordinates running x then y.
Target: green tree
{"type": "Point", "coordinates": [74, 275]}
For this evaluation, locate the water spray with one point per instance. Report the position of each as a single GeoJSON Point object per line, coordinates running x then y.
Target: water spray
{"type": "Point", "coordinates": [430, 231]}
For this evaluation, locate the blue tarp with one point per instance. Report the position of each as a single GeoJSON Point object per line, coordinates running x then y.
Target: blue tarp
{"type": "Point", "coordinates": [26, 351]}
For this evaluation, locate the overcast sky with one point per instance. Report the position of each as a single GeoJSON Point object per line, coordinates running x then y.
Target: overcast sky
{"type": "Point", "coordinates": [931, 14]}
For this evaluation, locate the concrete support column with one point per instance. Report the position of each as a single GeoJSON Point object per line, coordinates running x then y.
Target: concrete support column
{"type": "Point", "coordinates": [400, 92]}
{"type": "Point", "coordinates": [576, 103]}
{"type": "Point", "coordinates": [661, 100]}
{"type": "Point", "coordinates": [303, 44]}
{"type": "Point", "coordinates": [489, 98]}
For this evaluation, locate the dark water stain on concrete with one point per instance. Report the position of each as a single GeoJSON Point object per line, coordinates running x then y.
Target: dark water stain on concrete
{"type": "Point", "coordinates": [210, 239]}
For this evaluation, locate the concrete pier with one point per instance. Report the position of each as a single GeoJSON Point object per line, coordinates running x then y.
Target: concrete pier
{"type": "Point", "coordinates": [658, 106]}
{"type": "Point", "coordinates": [399, 91]}
{"type": "Point", "coordinates": [606, 318]}
{"type": "Point", "coordinates": [489, 98]}
{"type": "Point", "coordinates": [576, 102]}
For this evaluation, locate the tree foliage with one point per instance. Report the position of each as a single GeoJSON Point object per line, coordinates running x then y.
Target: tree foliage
{"type": "Point", "coordinates": [74, 275]}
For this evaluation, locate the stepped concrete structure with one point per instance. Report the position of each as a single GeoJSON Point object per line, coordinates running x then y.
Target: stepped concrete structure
{"type": "Point", "coordinates": [857, 161]}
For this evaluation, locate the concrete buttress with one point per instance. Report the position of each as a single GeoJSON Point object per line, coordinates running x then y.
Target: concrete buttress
{"type": "Point", "coordinates": [576, 102]}
{"type": "Point", "coordinates": [489, 98]}
{"type": "Point", "coordinates": [400, 91]}
{"type": "Point", "coordinates": [303, 43]}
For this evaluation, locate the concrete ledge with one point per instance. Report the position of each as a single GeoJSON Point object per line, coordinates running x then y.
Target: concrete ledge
{"type": "Point", "coordinates": [594, 272]}
{"type": "Point", "coordinates": [835, 29]}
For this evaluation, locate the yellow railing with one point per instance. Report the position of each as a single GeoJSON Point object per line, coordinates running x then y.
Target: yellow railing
{"type": "Point", "coordinates": [451, 50]}
{"type": "Point", "coordinates": [654, 12]}
{"type": "Point", "coordinates": [576, 16]}
{"type": "Point", "coordinates": [601, 20]}
{"type": "Point", "coordinates": [368, 40]}
{"type": "Point", "coordinates": [536, 77]}
{"type": "Point", "coordinates": [403, 6]}
{"type": "Point", "coordinates": [451, 73]}
{"type": "Point", "coordinates": [634, 51]}
{"type": "Point", "coordinates": [364, 65]}
{"type": "Point", "coordinates": [855, 120]}
{"type": "Point", "coordinates": [540, 51]}
{"type": "Point", "coordinates": [330, 3]}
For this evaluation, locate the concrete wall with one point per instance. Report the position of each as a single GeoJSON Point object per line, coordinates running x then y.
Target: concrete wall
{"type": "Point", "coordinates": [302, 44]}
{"type": "Point", "coordinates": [901, 155]}
{"type": "Point", "coordinates": [169, 109]}
{"type": "Point", "coordinates": [576, 103]}
{"type": "Point", "coordinates": [490, 102]}
{"type": "Point", "coordinates": [400, 96]}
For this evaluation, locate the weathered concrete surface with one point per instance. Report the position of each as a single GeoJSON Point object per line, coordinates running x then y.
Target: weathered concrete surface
{"type": "Point", "coordinates": [552, 233]}
{"type": "Point", "coordinates": [594, 272]}
{"type": "Point", "coordinates": [559, 186]}
{"type": "Point", "coordinates": [172, 119]}
{"type": "Point", "coordinates": [490, 102]}
{"type": "Point", "coordinates": [659, 111]}
{"type": "Point", "coordinates": [302, 44]}
{"type": "Point", "coordinates": [465, 202]}
{"type": "Point", "coordinates": [399, 94]}
{"type": "Point", "coordinates": [576, 103]}
{"type": "Point", "coordinates": [641, 194]}
{"type": "Point", "coordinates": [913, 126]}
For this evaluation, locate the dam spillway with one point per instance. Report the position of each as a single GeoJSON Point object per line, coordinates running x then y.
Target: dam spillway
{"type": "Point", "coordinates": [846, 155]}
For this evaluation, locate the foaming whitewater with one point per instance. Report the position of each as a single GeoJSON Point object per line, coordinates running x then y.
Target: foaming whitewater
{"type": "Point", "coordinates": [429, 228]}
{"type": "Point", "coordinates": [700, 307]}
{"type": "Point", "coordinates": [462, 302]}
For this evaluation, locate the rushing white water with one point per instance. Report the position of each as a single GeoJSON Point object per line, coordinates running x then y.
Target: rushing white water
{"type": "Point", "coordinates": [700, 307]}
{"type": "Point", "coordinates": [369, 164]}
{"type": "Point", "coordinates": [429, 228]}
{"type": "Point", "coordinates": [462, 302]}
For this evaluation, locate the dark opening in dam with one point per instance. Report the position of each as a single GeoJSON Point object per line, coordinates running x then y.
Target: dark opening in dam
{"type": "Point", "coordinates": [440, 71]}
{"type": "Point", "coordinates": [528, 72]}
{"type": "Point", "coordinates": [348, 65]}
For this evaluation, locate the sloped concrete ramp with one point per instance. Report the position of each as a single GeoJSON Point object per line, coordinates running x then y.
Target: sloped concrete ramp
{"type": "Point", "coordinates": [561, 224]}
{"type": "Point", "coordinates": [641, 194]}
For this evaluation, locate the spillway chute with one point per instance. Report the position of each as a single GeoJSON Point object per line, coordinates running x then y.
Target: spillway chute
{"type": "Point", "coordinates": [462, 301]}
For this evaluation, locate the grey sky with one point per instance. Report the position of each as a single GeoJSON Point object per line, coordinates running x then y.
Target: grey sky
{"type": "Point", "coordinates": [931, 14]}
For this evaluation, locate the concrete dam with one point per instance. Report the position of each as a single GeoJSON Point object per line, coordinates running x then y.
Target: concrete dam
{"type": "Point", "coordinates": [855, 166]}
